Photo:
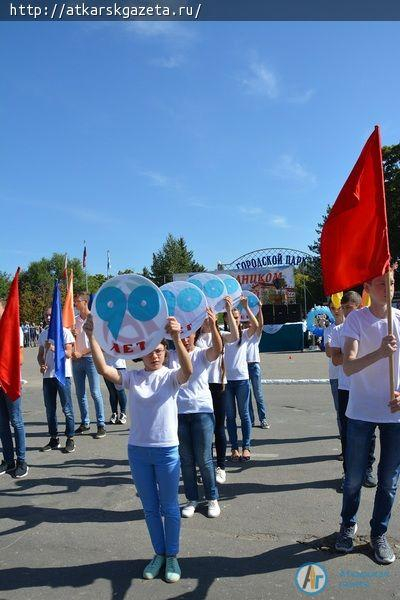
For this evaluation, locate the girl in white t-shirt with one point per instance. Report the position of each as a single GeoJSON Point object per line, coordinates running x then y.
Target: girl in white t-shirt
{"type": "Point", "coordinates": [153, 442]}
{"type": "Point", "coordinates": [238, 385]}
{"type": "Point", "coordinates": [217, 385]}
{"type": "Point", "coordinates": [196, 423]}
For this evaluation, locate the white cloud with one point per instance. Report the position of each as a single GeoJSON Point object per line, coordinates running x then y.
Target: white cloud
{"type": "Point", "coordinates": [162, 181]}
{"type": "Point", "coordinates": [301, 97]}
{"type": "Point", "coordinates": [279, 222]}
{"type": "Point", "coordinates": [161, 29]}
{"type": "Point", "coordinates": [250, 211]}
{"type": "Point", "coordinates": [261, 81]}
{"type": "Point", "coordinates": [288, 168]}
{"type": "Point", "coordinates": [171, 62]}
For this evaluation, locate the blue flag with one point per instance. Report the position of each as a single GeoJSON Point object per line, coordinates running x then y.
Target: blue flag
{"type": "Point", "coordinates": [56, 334]}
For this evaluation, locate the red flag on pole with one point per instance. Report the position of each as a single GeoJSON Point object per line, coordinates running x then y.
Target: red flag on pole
{"type": "Point", "coordinates": [10, 369]}
{"type": "Point", "coordinates": [68, 315]}
{"type": "Point", "coordinates": [354, 239]}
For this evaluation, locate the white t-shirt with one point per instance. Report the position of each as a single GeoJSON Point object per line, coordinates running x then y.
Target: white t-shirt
{"type": "Point", "coordinates": [333, 370]}
{"type": "Point", "coordinates": [21, 338]}
{"type": "Point", "coordinates": [253, 351]}
{"type": "Point", "coordinates": [370, 389]}
{"type": "Point", "coordinates": [337, 341]}
{"type": "Point", "coordinates": [215, 367]}
{"type": "Point", "coordinates": [153, 407]}
{"type": "Point", "coordinates": [68, 339]}
{"type": "Point", "coordinates": [117, 363]}
{"type": "Point", "coordinates": [81, 340]}
{"type": "Point", "coordinates": [194, 396]}
{"type": "Point", "coordinates": [236, 357]}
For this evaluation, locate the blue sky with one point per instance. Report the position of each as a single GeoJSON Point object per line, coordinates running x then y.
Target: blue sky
{"type": "Point", "coordinates": [233, 135]}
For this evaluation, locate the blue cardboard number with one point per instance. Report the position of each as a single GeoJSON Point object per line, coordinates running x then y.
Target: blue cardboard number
{"type": "Point", "coordinates": [231, 285]}
{"type": "Point", "coordinates": [214, 288]}
{"type": "Point", "coordinates": [111, 306]}
{"type": "Point", "coordinates": [144, 303]}
{"type": "Point", "coordinates": [188, 299]}
{"type": "Point", "coordinates": [171, 302]}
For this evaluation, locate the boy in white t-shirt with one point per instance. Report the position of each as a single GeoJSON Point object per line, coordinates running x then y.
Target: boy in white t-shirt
{"type": "Point", "coordinates": [51, 386]}
{"type": "Point", "coordinates": [365, 358]}
{"type": "Point", "coordinates": [351, 301]}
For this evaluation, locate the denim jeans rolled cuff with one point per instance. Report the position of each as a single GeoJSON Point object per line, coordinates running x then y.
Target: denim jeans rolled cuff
{"type": "Point", "coordinates": [255, 378]}
{"type": "Point", "coordinates": [82, 368]}
{"type": "Point", "coordinates": [238, 392]}
{"type": "Point", "coordinates": [51, 386]}
{"type": "Point", "coordinates": [11, 416]}
{"type": "Point", "coordinates": [195, 432]}
{"type": "Point", "coordinates": [359, 436]}
{"type": "Point", "coordinates": [155, 471]}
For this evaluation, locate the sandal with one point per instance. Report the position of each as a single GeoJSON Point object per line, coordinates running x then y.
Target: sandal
{"type": "Point", "coordinates": [247, 457]}
{"type": "Point", "coordinates": [235, 456]}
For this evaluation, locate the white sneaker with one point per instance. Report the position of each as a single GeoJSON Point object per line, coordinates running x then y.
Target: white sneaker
{"type": "Point", "coordinates": [189, 508]}
{"type": "Point", "coordinates": [213, 509]}
{"type": "Point", "coordinates": [122, 418]}
{"type": "Point", "coordinates": [220, 475]}
{"type": "Point", "coordinates": [113, 418]}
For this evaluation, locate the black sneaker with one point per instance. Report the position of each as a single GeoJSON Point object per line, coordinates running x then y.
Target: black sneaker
{"type": "Point", "coordinates": [82, 428]}
{"type": "Point", "coordinates": [7, 467]}
{"type": "Point", "coordinates": [101, 432]}
{"type": "Point", "coordinates": [344, 541]}
{"type": "Point", "coordinates": [382, 550]}
{"type": "Point", "coordinates": [69, 445]}
{"type": "Point", "coordinates": [53, 444]}
{"type": "Point", "coordinates": [21, 470]}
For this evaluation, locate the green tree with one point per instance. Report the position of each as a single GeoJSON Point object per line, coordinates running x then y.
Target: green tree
{"type": "Point", "coordinates": [5, 282]}
{"type": "Point", "coordinates": [173, 257]}
{"type": "Point", "coordinates": [95, 282]}
{"type": "Point", "coordinates": [37, 283]}
{"type": "Point", "coordinates": [125, 272]}
{"type": "Point", "coordinates": [391, 168]}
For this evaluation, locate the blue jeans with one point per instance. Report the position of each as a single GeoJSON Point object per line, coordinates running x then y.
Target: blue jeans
{"type": "Point", "coordinates": [334, 383]}
{"type": "Point", "coordinates": [255, 378]}
{"type": "Point", "coordinates": [155, 472]}
{"type": "Point", "coordinates": [51, 386]}
{"type": "Point", "coordinates": [239, 390]}
{"type": "Point", "coordinates": [359, 436]}
{"type": "Point", "coordinates": [195, 432]}
{"type": "Point", "coordinates": [116, 396]}
{"type": "Point", "coordinates": [11, 415]}
{"type": "Point", "coordinates": [82, 368]}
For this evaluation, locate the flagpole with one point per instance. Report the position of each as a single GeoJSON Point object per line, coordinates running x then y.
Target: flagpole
{"type": "Point", "coordinates": [390, 332]}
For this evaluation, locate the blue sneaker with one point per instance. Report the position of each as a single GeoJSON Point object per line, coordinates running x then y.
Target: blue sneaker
{"type": "Point", "coordinates": [172, 570]}
{"type": "Point", "coordinates": [344, 541]}
{"type": "Point", "coordinates": [154, 567]}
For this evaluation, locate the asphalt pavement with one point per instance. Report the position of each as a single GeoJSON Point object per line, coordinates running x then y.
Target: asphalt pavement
{"type": "Point", "coordinates": [74, 527]}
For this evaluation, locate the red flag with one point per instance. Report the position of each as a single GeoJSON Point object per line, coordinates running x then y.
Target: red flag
{"type": "Point", "coordinates": [10, 369]}
{"type": "Point", "coordinates": [354, 239]}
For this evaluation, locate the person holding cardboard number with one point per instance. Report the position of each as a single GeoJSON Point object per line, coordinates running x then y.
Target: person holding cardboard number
{"type": "Point", "coordinates": [153, 442]}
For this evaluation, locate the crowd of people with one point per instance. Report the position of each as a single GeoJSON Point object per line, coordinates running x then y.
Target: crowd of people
{"type": "Point", "coordinates": [182, 399]}
{"type": "Point", "coordinates": [178, 403]}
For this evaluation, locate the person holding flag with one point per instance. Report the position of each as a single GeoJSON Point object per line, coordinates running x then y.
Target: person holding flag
{"type": "Point", "coordinates": [54, 357]}
{"type": "Point", "coordinates": [11, 359]}
{"type": "Point", "coordinates": [355, 249]}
